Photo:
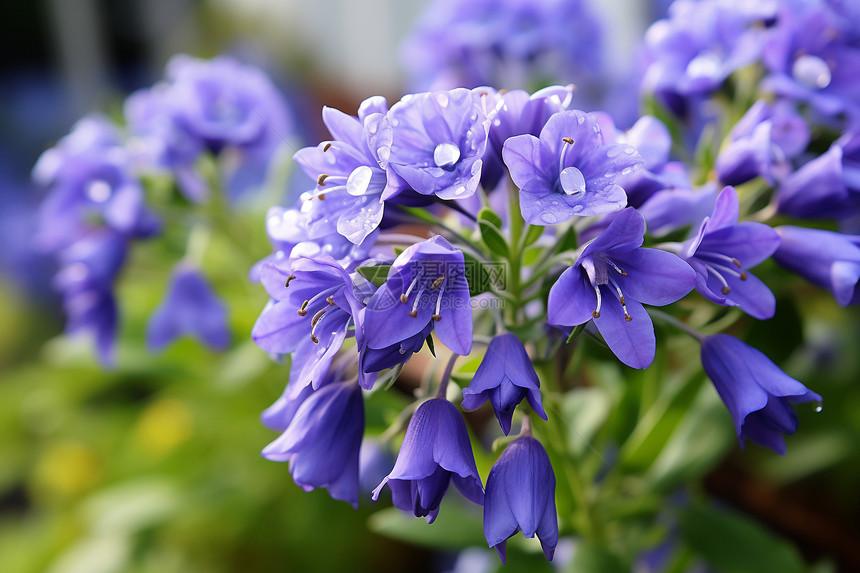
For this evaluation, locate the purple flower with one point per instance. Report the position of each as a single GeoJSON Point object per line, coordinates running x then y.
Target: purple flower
{"type": "Point", "coordinates": [378, 359]}
{"type": "Point", "coordinates": [827, 259]}
{"type": "Point", "coordinates": [88, 174]}
{"type": "Point", "coordinates": [311, 312]}
{"type": "Point", "coordinates": [701, 42]}
{"type": "Point", "coordinates": [435, 451]}
{"type": "Point", "coordinates": [672, 209]}
{"type": "Point", "coordinates": [190, 307]}
{"type": "Point", "coordinates": [611, 279]}
{"type": "Point", "coordinates": [812, 56]}
{"type": "Point", "coordinates": [826, 187]}
{"type": "Point", "coordinates": [350, 180]}
{"type": "Point", "coordinates": [521, 496]}
{"type": "Point", "coordinates": [721, 252]}
{"type": "Point", "coordinates": [519, 113]}
{"type": "Point", "coordinates": [569, 171]}
{"type": "Point", "coordinates": [323, 440]}
{"type": "Point", "coordinates": [504, 377]}
{"type": "Point", "coordinates": [88, 269]}
{"type": "Point", "coordinates": [217, 105]}
{"type": "Point", "coordinates": [508, 43]}
{"type": "Point", "coordinates": [426, 285]}
{"type": "Point", "coordinates": [761, 144]}
{"type": "Point", "coordinates": [652, 140]}
{"type": "Point", "coordinates": [756, 392]}
{"type": "Point", "coordinates": [434, 142]}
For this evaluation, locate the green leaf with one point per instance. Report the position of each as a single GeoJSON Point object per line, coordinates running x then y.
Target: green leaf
{"type": "Point", "coordinates": [456, 527]}
{"type": "Point", "coordinates": [575, 332]}
{"type": "Point", "coordinates": [430, 345]}
{"type": "Point", "coordinates": [376, 274]}
{"type": "Point", "coordinates": [481, 277]}
{"type": "Point", "coordinates": [735, 544]}
{"type": "Point", "coordinates": [698, 443]}
{"type": "Point", "coordinates": [490, 216]}
{"type": "Point", "coordinates": [533, 233]}
{"type": "Point", "coordinates": [585, 410]}
{"type": "Point", "coordinates": [568, 241]}
{"type": "Point", "coordinates": [493, 238]}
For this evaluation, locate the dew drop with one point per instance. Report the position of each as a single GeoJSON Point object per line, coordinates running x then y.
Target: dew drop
{"type": "Point", "coordinates": [819, 407]}
{"type": "Point", "coordinates": [629, 151]}
{"type": "Point", "coordinates": [627, 171]}
{"type": "Point", "coordinates": [442, 98]}
{"type": "Point", "coordinates": [549, 218]}
{"type": "Point", "coordinates": [580, 119]}
{"type": "Point", "coordinates": [446, 155]}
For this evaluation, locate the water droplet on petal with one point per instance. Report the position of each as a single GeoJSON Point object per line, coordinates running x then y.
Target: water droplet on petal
{"type": "Point", "coordinates": [819, 407]}
{"type": "Point", "coordinates": [548, 218]}
{"type": "Point", "coordinates": [442, 98]}
{"type": "Point", "coordinates": [446, 155]}
{"type": "Point", "coordinates": [572, 180]}
{"type": "Point", "coordinates": [704, 66]}
{"type": "Point", "coordinates": [359, 180]}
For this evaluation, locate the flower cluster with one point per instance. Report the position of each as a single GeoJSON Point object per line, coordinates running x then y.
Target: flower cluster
{"type": "Point", "coordinates": [101, 179]}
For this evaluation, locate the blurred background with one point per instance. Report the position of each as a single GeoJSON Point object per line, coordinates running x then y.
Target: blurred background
{"type": "Point", "coordinates": [154, 465]}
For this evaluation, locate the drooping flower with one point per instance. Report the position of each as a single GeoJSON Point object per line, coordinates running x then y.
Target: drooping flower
{"type": "Point", "coordinates": [826, 187]}
{"type": "Point", "coordinates": [435, 451]}
{"type": "Point", "coordinates": [218, 105]}
{"type": "Point", "coordinates": [569, 170]}
{"type": "Point", "coordinates": [312, 310]}
{"type": "Point", "coordinates": [323, 440]}
{"type": "Point", "coordinates": [761, 144]}
{"type": "Point", "coordinates": [723, 250]}
{"type": "Point", "coordinates": [426, 285]}
{"type": "Point", "coordinates": [756, 392]}
{"type": "Point", "coordinates": [350, 180]}
{"type": "Point", "coordinates": [434, 142]}
{"type": "Point", "coordinates": [88, 269]}
{"type": "Point", "coordinates": [825, 258]}
{"type": "Point", "coordinates": [505, 377]}
{"type": "Point", "coordinates": [611, 280]}
{"type": "Point", "coordinates": [190, 307]}
{"type": "Point", "coordinates": [521, 496]}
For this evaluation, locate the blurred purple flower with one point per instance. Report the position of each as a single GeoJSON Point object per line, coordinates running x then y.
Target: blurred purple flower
{"type": "Point", "coordinates": [827, 259]}
{"type": "Point", "coordinates": [756, 392]}
{"type": "Point", "coordinates": [219, 106]}
{"type": "Point", "coordinates": [613, 268]}
{"type": "Point", "coordinates": [723, 250]}
{"type": "Point", "coordinates": [520, 496]}
{"type": "Point", "coordinates": [505, 377]}
{"type": "Point", "coordinates": [569, 170]}
{"type": "Point", "coordinates": [761, 144]}
{"type": "Point", "coordinates": [323, 440]}
{"type": "Point", "coordinates": [435, 451]}
{"type": "Point", "coordinates": [190, 307]}
{"type": "Point", "coordinates": [506, 43]}
{"type": "Point", "coordinates": [813, 57]}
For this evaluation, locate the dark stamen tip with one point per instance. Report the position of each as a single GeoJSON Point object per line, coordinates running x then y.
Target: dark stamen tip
{"type": "Point", "coordinates": [289, 280]}
{"type": "Point", "coordinates": [314, 339]}
{"type": "Point", "coordinates": [567, 140]}
{"type": "Point", "coordinates": [737, 263]}
{"type": "Point", "coordinates": [726, 290]}
{"type": "Point", "coordinates": [413, 313]}
{"type": "Point", "coordinates": [595, 313]}
{"type": "Point", "coordinates": [744, 276]}
{"type": "Point", "coordinates": [321, 179]}
{"type": "Point", "coordinates": [628, 318]}
{"type": "Point", "coordinates": [302, 312]}
{"type": "Point", "coordinates": [403, 298]}
{"type": "Point", "coordinates": [327, 146]}
{"type": "Point", "coordinates": [436, 317]}
{"type": "Point", "coordinates": [622, 301]}
{"type": "Point", "coordinates": [330, 301]}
